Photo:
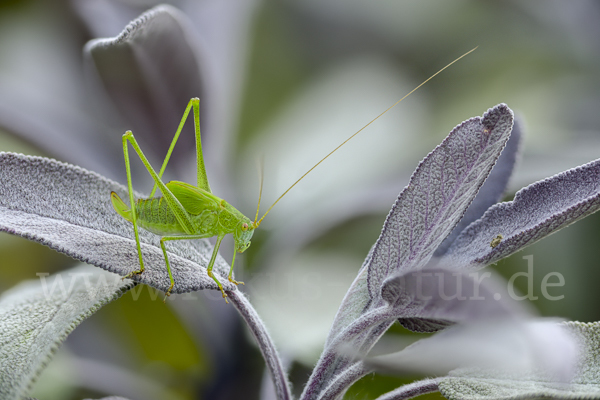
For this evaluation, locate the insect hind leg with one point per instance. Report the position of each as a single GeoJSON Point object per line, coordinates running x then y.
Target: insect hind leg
{"type": "Point", "coordinates": [201, 170]}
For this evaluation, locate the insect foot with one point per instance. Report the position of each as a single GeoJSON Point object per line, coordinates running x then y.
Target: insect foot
{"type": "Point", "coordinates": [219, 284]}
{"type": "Point", "coordinates": [168, 293]}
{"type": "Point", "coordinates": [235, 282]}
{"type": "Point", "coordinates": [131, 274]}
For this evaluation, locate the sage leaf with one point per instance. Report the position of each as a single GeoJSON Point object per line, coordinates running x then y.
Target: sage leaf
{"type": "Point", "coordinates": [150, 72]}
{"type": "Point", "coordinates": [425, 212]}
{"type": "Point", "coordinates": [36, 317]}
{"type": "Point", "coordinates": [438, 194]}
{"type": "Point", "coordinates": [68, 209]}
{"type": "Point", "coordinates": [537, 210]}
{"type": "Point", "coordinates": [356, 299]}
{"type": "Point", "coordinates": [492, 190]}
{"type": "Point", "coordinates": [484, 384]}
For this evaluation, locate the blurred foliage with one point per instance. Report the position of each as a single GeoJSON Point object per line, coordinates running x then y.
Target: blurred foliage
{"type": "Point", "coordinates": [540, 57]}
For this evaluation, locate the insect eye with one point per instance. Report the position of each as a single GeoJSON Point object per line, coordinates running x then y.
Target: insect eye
{"type": "Point", "coordinates": [244, 226]}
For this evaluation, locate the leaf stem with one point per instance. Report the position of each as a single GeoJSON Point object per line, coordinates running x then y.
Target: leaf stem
{"type": "Point", "coordinates": [344, 380]}
{"type": "Point", "coordinates": [265, 343]}
{"type": "Point", "coordinates": [412, 390]}
{"type": "Point", "coordinates": [331, 363]}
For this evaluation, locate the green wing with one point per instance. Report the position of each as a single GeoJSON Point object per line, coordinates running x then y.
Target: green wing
{"type": "Point", "coordinates": [120, 207]}
{"type": "Point", "coordinates": [193, 199]}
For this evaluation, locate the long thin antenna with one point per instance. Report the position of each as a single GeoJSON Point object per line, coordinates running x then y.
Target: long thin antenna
{"type": "Point", "coordinates": [261, 172]}
{"type": "Point", "coordinates": [360, 130]}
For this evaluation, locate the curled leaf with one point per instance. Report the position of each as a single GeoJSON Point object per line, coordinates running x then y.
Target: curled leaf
{"type": "Point", "coordinates": [150, 72]}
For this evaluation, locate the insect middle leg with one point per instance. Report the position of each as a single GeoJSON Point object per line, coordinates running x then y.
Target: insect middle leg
{"type": "Point", "coordinates": [164, 249]}
{"type": "Point", "coordinates": [210, 264]}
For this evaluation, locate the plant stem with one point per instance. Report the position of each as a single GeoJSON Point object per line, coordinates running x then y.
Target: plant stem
{"type": "Point", "coordinates": [344, 380]}
{"type": "Point", "coordinates": [266, 345]}
{"type": "Point", "coordinates": [412, 390]}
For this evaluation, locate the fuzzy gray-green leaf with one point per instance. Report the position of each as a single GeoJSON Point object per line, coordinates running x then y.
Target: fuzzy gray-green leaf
{"type": "Point", "coordinates": [537, 211]}
{"type": "Point", "coordinates": [438, 194]}
{"type": "Point", "coordinates": [150, 71]}
{"type": "Point", "coordinates": [68, 209]}
{"type": "Point", "coordinates": [492, 190]}
{"type": "Point", "coordinates": [36, 317]}
{"type": "Point", "coordinates": [585, 384]}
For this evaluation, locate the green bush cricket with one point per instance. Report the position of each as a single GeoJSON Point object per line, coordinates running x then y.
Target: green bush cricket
{"type": "Point", "coordinates": [186, 212]}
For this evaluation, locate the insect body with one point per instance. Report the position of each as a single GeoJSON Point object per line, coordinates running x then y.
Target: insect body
{"type": "Point", "coordinates": [186, 212]}
{"type": "Point", "coordinates": [496, 241]}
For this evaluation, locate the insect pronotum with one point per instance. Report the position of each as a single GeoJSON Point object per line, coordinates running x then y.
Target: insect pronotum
{"type": "Point", "coordinates": [186, 212]}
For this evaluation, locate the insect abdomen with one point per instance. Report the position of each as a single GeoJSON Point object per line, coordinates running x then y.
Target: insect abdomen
{"type": "Point", "coordinates": [155, 216]}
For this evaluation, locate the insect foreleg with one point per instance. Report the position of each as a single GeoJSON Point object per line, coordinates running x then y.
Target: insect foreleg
{"type": "Point", "coordinates": [211, 263]}
{"type": "Point", "coordinates": [230, 276]}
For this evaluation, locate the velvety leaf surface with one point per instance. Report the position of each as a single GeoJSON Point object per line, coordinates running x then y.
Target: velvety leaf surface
{"type": "Point", "coordinates": [36, 317]}
{"type": "Point", "coordinates": [536, 211]}
{"type": "Point", "coordinates": [438, 194]}
{"type": "Point", "coordinates": [68, 209]}
{"type": "Point", "coordinates": [150, 72]}
{"type": "Point", "coordinates": [485, 384]}
{"type": "Point", "coordinates": [492, 190]}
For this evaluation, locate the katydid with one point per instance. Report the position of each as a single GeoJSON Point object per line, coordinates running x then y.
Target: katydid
{"type": "Point", "coordinates": [186, 212]}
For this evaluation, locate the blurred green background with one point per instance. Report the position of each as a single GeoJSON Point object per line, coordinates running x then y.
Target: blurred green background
{"type": "Point", "coordinates": [315, 72]}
